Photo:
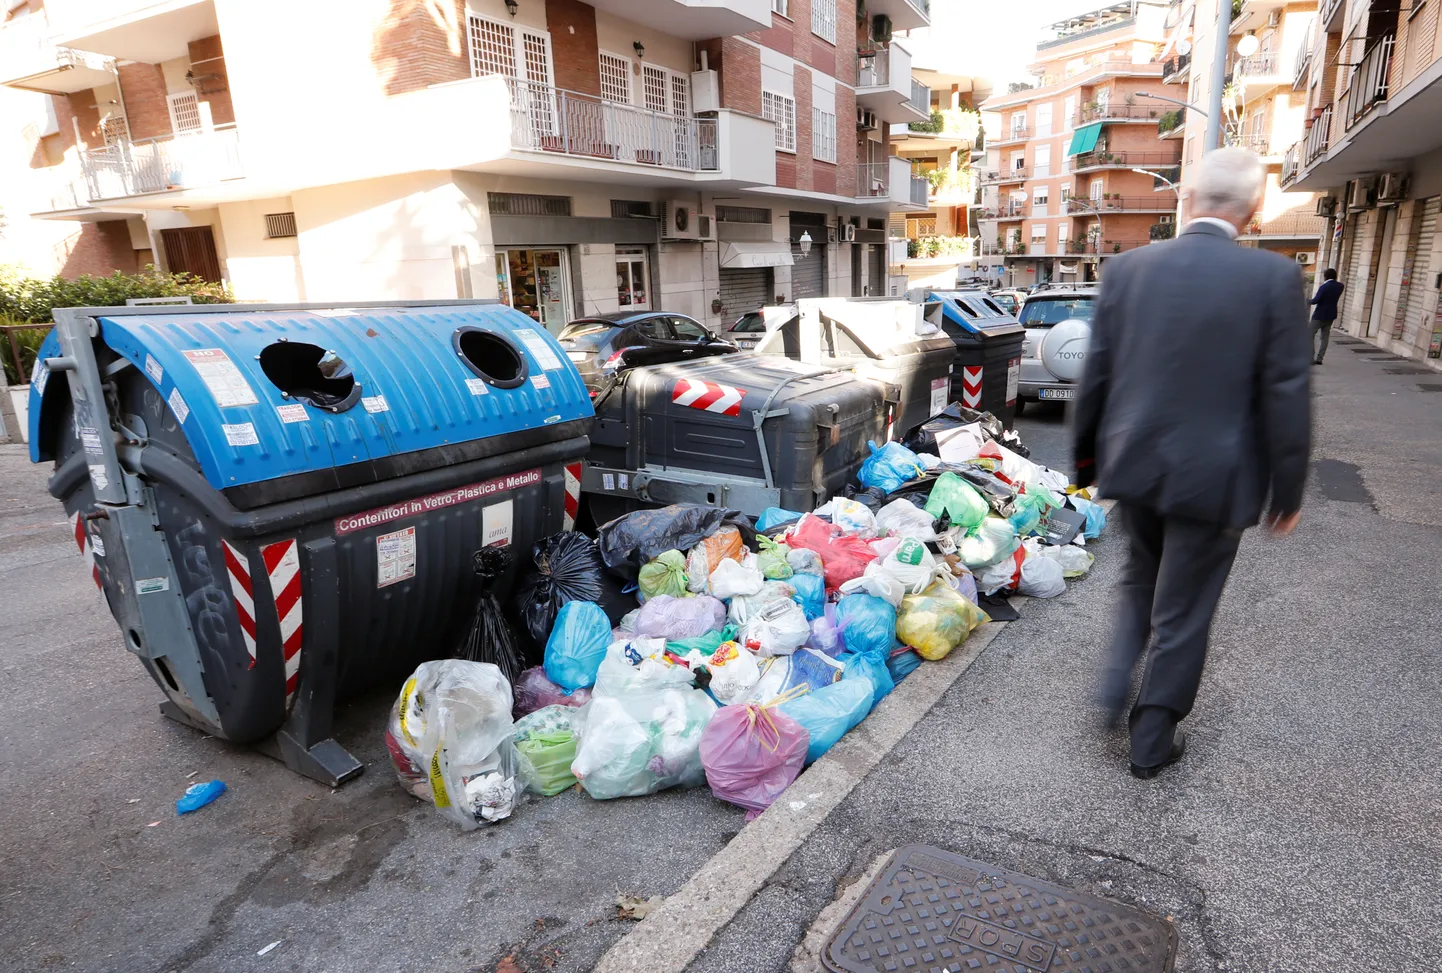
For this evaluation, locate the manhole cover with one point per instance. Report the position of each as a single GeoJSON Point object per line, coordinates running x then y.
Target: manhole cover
{"type": "Point", "coordinates": [1407, 370]}
{"type": "Point", "coordinates": [931, 911]}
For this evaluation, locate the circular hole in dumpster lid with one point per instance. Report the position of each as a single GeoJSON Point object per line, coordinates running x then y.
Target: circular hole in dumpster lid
{"type": "Point", "coordinates": [492, 357]}
{"type": "Point", "coordinates": [311, 374]}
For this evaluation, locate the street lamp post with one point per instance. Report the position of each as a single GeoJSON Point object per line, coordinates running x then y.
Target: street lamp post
{"type": "Point", "coordinates": [1219, 76]}
{"type": "Point", "coordinates": [1170, 185]}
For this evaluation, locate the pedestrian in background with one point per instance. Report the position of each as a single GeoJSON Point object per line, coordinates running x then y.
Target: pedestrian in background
{"type": "Point", "coordinates": [1193, 411]}
{"type": "Point", "coordinates": [1326, 300]}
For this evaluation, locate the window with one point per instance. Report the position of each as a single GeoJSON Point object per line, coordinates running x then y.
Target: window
{"type": "Point", "coordinates": [279, 225]}
{"type": "Point", "coordinates": [743, 214]}
{"type": "Point", "coordinates": [1096, 189]}
{"type": "Point", "coordinates": [684, 329]}
{"type": "Point", "coordinates": [1038, 232]}
{"type": "Point", "coordinates": [622, 209]}
{"type": "Point", "coordinates": [1041, 161]}
{"type": "Point", "coordinates": [497, 48]}
{"type": "Point", "coordinates": [823, 135]}
{"type": "Point", "coordinates": [1066, 157]}
{"type": "Point", "coordinates": [526, 204]}
{"type": "Point", "coordinates": [615, 79]}
{"type": "Point", "coordinates": [781, 110]}
{"type": "Point", "coordinates": [184, 112]}
{"type": "Point", "coordinates": [631, 290]}
{"type": "Point", "coordinates": [1061, 238]}
{"type": "Point", "coordinates": [1039, 201]}
{"type": "Point", "coordinates": [1018, 161]}
{"type": "Point", "coordinates": [823, 19]}
{"type": "Point", "coordinates": [1043, 119]}
{"type": "Point", "coordinates": [1018, 125]}
{"type": "Point", "coordinates": [781, 7]}
{"type": "Point", "coordinates": [1069, 113]}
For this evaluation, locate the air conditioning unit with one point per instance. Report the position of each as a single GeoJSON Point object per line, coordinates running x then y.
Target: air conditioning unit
{"type": "Point", "coordinates": [1395, 186]}
{"type": "Point", "coordinates": [705, 227]}
{"type": "Point", "coordinates": [1306, 257]}
{"type": "Point", "coordinates": [881, 29]}
{"type": "Point", "coordinates": [1326, 205]}
{"type": "Point", "coordinates": [682, 221]}
{"type": "Point", "coordinates": [1274, 19]}
{"type": "Point", "coordinates": [1362, 193]}
{"type": "Point", "coordinates": [866, 120]}
{"type": "Point", "coordinates": [848, 233]}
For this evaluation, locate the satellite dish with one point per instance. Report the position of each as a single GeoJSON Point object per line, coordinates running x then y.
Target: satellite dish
{"type": "Point", "coordinates": [1064, 349]}
{"type": "Point", "coordinates": [1248, 45]}
{"type": "Point", "coordinates": [1184, 47]}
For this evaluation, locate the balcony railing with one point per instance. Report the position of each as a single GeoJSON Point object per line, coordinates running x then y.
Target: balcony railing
{"type": "Point", "coordinates": [951, 186]}
{"type": "Point", "coordinates": [162, 164]}
{"type": "Point", "coordinates": [873, 70]}
{"type": "Point", "coordinates": [920, 190]}
{"type": "Point", "coordinates": [1327, 10]}
{"type": "Point", "coordinates": [1159, 203]}
{"type": "Point", "coordinates": [1174, 68]}
{"type": "Point", "coordinates": [871, 180]}
{"type": "Point", "coordinates": [1291, 163]}
{"type": "Point", "coordinates": [1304, 60]}
{"type": "Point", "coordinates": [546, 119]}
{"type": "Point", "coordinates": [1126, 160]}
{"type": "Point", "coordinates": [1016, 133]}
{"type": "Point", "coordinates": [1007, 211]}
{"type": "Point", "coordinates": [1369, 82]}
{"type": "Point", "coordinates": [1319, 137]}
{"type": "Point", "coordinates": [1123, 112]}
{"type": "Point", "coordinates": [1259, 144]}
{"type": "Point", "coordinates": [1007, 175]}
{"type": "Point", "coordinates": [920, 97]}
{"type": "Point", "coordinates": [1264, 64]}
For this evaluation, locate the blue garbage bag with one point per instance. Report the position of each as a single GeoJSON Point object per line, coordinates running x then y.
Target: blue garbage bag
{"type": "Point", "coordinates": [1096, 516]}
{"type": "Point", "coordinates": [874, 671]}
{"type": "Point", "coordinates": [1025, 520]}
{"type": "Point", "coordinates": [890, 466]}
{"type": "Point", "coordinates": [868, 625]}
{"type": "Point", "coordinates": [810, 594]}
{"type": "Point", "coordinates": [903, 664]}
{"type": "Point", "coordinates": [829, 712]}
{"type": "Point", "coordinates": [577, 645]}
{"type": "Point", "coordinates": [774, 517]}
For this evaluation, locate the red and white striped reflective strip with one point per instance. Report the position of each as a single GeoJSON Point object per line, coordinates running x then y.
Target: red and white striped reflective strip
{"type": "Point", "coordinates": [82, 541]}
{"type": "Point", "coordinates": [573, 496]}
{"type": "Point", "coordinates": [282, 564]}
{"type": "Point", "coordinates": [971, 386]}
{"type": "Point", "coordinates": [708, 396]}
{"type": "Point", "coordinates": [238, 568]}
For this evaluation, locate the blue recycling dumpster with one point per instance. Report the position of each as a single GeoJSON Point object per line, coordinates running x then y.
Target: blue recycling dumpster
{"type": "Point", "coordinates": [281, 503]}
{"type": "Point", "coordinates": [989, 342]}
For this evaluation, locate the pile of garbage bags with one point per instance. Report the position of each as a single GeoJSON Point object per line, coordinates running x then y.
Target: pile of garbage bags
{"type": "Point", "coordinates": [687, 646]}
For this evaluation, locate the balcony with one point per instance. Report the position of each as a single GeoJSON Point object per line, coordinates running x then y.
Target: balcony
{"type": "Point", "coordinates": [920, 191]}
{"type": "Point", "coordinates": [693, 20]}
{"type": "Point", "coordinates": [1291, 163]}
{"type": "Point", "coordinates": [1293, 225]}
{"type": "Point", "coordinates": [1369, 81]}
{"type": "Point", "coordinates": [884, 85]}
{"type": "Point", "coordinates": [1102, 159]}
{"type": "Point", "coordinates": [1259, 144]}
{"type": "Point", "coordinates": [31, 61]}
{"type": "Point", "coordinates": [1011, 210]}
{"type": "Point", "coordinates": [949, 124]}
{"type": "Point", "coordinates": [1329, 15]}
{"type": "Point", "coordinates": [1264, 66]}
{"type": "Point", "coordinates": [949, 187]}
{"type": "Point", "coordinates": [1115, 203]}
{"type": "Point", "coordinates": [1319, 137]}
{"type": "Point", "coordinates": [890, 181]}
{"type": "Point", "coordinates": [1004, 176]}
{"type": "Point", "coordinates": [1118, 113]}
{"type": "Point", "coordinates": [1301, 66]}
{"type": "Point", "coordinates": [941, 248]}
{"type": "Point", "coordinates": [137, 30]}
{"type": "Point", "coordinates": [161, 165]}
{"type": "Point", "coordinates": [1017, 133]}
{"type": "Point", "coordinates": [1175, 68]}
{"type": "Point", "coordinates": [904, 14]}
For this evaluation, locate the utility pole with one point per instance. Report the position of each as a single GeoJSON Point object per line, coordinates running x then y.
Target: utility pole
{"type": "Point", "coordinates": [1219, 76]}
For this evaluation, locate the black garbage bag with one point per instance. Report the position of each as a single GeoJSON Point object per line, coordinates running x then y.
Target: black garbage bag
{"type": "Point", "coordinates": [564, 567]}
{"type": "Point", "coordinates": [490, 637]}
{"type": "Point", "coordinates": [922, 438]}
{"type": "Point", "coordinates": [631, 540]}
{"type": "Point", "coordinates": [873, 497]}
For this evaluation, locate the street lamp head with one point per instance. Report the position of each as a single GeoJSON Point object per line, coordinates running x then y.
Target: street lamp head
{"type": "Point", "coordinates": [805, 243]}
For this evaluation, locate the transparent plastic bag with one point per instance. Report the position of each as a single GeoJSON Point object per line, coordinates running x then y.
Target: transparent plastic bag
{"type": "Point", "coordinates": [771, 560]}
{"type": "Point", "coordinates": [778, 628]}
{"type": "Point", "coordinates": [1074, 561]}
{"type": "Point", "coordinates": [665, 575]}
{"type": "Point", "coordinates": [734, 672]}
{"type": "Point", "coordinates": [751, 754]}
{"type": "Point", "coordinates": [937, 621]}
{"type": "Point", "coordinates": [534, 691]}
{"type": "Point", "coordinates": [828, 713]}
{"type": "Point", "coordinates": [902, 518]}
{"type": "Point", "coordinates": [577, 644]}
{"type": "Point", "coordinates": [804, 561]}
{"type": "Point", "coordinates": [851, 516]}
{"type": "Point", "coordinates": [987, 543]}
{"type": "Point", "coordinates": [953, 497]}
{"type": "Point", "coordinates": [449, 738]}
{"type": "Point", "coordinates": [744, 607]}
{"type": "Point", "coordinates": [707, 556]}
{"type": "Point", "coordinates": [545, 747]}
{"type": "Point", "coordinates": [671, 618]}
{"type": "Point", "coordinates": [643, 742]}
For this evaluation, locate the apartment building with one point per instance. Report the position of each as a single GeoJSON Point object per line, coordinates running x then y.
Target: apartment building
{"type": "Point", "coordinates": [1373, 146]}
{"type": "Point", "coordinates": [1069, 181]}
{"type": "Point", "coordinates": [702, 156]}
{"type": "Point", "coordinates": [1264, 105]}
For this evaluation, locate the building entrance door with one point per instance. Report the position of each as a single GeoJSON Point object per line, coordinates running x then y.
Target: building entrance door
{"type": "Point", "coordinates": [537, 282]}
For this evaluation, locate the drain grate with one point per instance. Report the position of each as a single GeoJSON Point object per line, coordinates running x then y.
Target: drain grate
{"type": "Point", "coordinates": [1387, 358]}
{"type": "Point", "coordinates": [1429, 387]}
{"type": "Point", "coordinates": [930, 910]}
{"type": "Point", "coordinates": [1408, 370]}
{"type": "Point", "coordinates": [1363, 350]}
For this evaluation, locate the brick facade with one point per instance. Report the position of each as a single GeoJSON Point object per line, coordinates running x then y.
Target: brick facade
{"type": "Point", "coordinates": [99, 249]}
{"type": "Point", "coordinates": [80, 106]}
{"type": "Point", "coordinates": [207, 59]}
{"type": "Point", "coordinates": [420, 43]}
{"type": "Point", "coordinates": [804, 148]}
{"type": "Point", "coordinates": [739, 67]}
{"type": "Point", "coordinates": [845, 142]}
{"type": "Point", "coordinates": [147, 113]}
{"type": "Point", "coordinates": [574, 48]}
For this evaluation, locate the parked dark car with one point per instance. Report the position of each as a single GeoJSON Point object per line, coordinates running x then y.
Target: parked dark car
{"type": "Point", "coordinates": [596, 344]}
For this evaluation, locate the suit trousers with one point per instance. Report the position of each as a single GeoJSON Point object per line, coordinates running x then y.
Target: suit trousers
{"type": "Point", "coordinates": [1176, 568]}
{"type": "Point", "coordinates": [1321, 334]}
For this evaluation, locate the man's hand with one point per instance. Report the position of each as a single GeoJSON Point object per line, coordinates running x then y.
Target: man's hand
{"type": "Point", "coordinates": [1283, 524]}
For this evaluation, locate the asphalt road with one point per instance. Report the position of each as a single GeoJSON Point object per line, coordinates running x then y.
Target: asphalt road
{"type": "Point", "coordinates": [1300, 833]}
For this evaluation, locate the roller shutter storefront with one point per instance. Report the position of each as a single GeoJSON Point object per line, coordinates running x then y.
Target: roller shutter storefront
{"type": "Point", "coordinates": [745, 289]}
{"type": "Point", "coordinates": [808, 272]}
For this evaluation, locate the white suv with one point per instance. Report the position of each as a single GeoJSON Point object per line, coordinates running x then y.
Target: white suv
{"type": "Point", "coordinates": [1057, 319]}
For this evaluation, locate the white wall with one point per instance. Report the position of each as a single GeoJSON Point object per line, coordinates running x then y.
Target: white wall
{"type": "Point", "coordinates": [261, 269]}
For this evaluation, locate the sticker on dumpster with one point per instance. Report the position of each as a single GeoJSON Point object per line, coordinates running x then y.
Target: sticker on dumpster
{"type": "Point", "coordinates": [97, 543]}
{"type": "Point", "coordinates": [40, 376]}
{"type": "Point", "coordinates": [149, 586]}
{"type": "Point", "coordinates": [971, 386]}
{"type": "Point", "coordinates": [496, 523]}
{"type": "Point", "coordinates": [375, 403]}
{"type": "Point", "coordinates": [939, 389]}
{"type": "Point", "coordinates": [98, 477]}
{"type": "Point", "coordinates": [623, 481]}
{"type": "Point", "coordinates": [395, 557]}
{"type": "Point", "coordinates": [477, 386]}
{"type": "Point", "coordinates": [153, 369]}
{"type": "Point", "coordinates": [90, 438]}
{"type": "Point", "coordinates": [1013, 379]}
{"type": "Point", "coordinates": [708, 396]}
{"type": "Point", "coordinates": [538, 348]}
{"type": "Point", "coordinates": [381, 516]}
{"type": "Point", "coordinates": [227, 386]}
{"type": "Point", "coordinates": [241, 434]}
{"type": "Point", "coordinates": [541, 381]}
{"type": "Point", "coordinates": [178, 406]}
{"type": "Point", "coordinates": [292, 413]}
{"type": "Point", "coordinates": [608, 481]}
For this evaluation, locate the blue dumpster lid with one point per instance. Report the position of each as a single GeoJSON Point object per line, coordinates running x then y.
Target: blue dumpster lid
{"type": "Point", "coordinates": [389, 381]}
{"type": "Point", "coordinates": [976, 312]}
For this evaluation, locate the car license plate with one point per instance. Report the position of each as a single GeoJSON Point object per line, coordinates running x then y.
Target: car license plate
{"type": "Point", "coordinates": [579, 357]}
{"type": "Point", "coordinates": [1056, 393]}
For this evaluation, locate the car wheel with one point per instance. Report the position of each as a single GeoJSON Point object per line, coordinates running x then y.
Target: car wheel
{"type": "Point", "coordinates": [1020, 405]}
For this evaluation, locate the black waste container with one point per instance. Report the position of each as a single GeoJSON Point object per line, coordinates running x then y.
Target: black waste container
{"type": "Point", "coordinates": [988, 352]}
{"type": "Point", "coordinates": [280, 504]}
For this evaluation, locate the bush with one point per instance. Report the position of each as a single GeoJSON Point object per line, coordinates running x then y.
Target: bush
{"type": "Point", "coordinates": [32, 300]}
{"type": "Point", "coordinates": [27, 342]}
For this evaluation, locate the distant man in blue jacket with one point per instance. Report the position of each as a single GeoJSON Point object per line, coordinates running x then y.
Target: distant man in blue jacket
{"type": "Point", "coordinates": [1326, 300]}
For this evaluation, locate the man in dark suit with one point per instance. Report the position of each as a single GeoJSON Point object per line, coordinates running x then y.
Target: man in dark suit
{"type": "Point", "coordinates": [1193, 412]}
{"type": "Point", "coordinates": [1325, 300]}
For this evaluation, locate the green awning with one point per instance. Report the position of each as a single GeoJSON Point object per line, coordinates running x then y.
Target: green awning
{"type": "Point", "coordinates": [1084, 139]}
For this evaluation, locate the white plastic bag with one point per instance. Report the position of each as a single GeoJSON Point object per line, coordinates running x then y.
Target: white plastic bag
{"type": "Point", "coordinates": [743, 607]}
{"type": "Point", "coordinates": [1074, 561]}
{"type": "Point", "coordinates": [902, 518]}
{"type": "Point", "coordinates": [991, 541]}
{"type": "Point", "coordinates": [450, 740]}
{"type": "Point", "coordinates": [1041, 577]}
{"type": "Point", "coordinates": [779, 628]}
{"type": "Point", "coordinates": [642, 743]}
{"type": "Point", "coordinates": [732, 578]}
{"type": "Point", "coordinates": [850, 515]}
{"type": "Point", "coordinates": [910, 564]}
{"type": "Point", "coordinates": [619, 675]}
{"type": "Point", "coordinates": [874, 581]}
{"type": "Point", "coordinates": [734, 671]}
{"type": "Point", "coordinates": [1001, 576]}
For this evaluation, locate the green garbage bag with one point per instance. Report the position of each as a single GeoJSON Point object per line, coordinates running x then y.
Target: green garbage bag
{"type": "Point", "coordinates": [1031, 508]}
{"type": "Point", "coordinates": [953, 496]}
{"type": "Point", "coordinates": [666, 575]}
{"type": "Point", "coordinates": [545, 746]}
{"type": "Point", "coordinates": [772, 559]}
{"type": "Point", "coordinates": [705, 644]}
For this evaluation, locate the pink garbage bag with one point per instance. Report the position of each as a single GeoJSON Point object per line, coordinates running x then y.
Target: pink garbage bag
{"type": "Point", "coordinates": [751, 754]}
{"type": "Point", "coordinates": [533, 691]}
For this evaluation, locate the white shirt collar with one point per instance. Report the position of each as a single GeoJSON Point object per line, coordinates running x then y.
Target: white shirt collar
{"type": "Point", "coordinates": [1231, 230]}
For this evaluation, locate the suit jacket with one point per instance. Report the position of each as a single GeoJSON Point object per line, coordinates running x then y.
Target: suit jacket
{"type": "Point", "coordinates": [1195, 398]}
{"type": "Point", "coordinates": [1326, 300]}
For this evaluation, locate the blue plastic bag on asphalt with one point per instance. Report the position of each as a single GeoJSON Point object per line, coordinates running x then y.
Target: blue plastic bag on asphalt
{"type": "Point", "coordinates": [890, 466]}
{"type": "Point", "coordinates": [577, 645]}
{"type": "Point", "coordinates": [1095, 514]}
{"type": "Point", "coordinates": [903, 664]}
{"type": "Point", "coordinates": [810, 594]}
{"type": "Point", "coordinates": [829, 712]}
{"type": "Point", "coordinates": [775, 516]}
{"type": "Point", "coordinates": [868, 625]}
{"type": "Point", "coordinates": [873, 671]}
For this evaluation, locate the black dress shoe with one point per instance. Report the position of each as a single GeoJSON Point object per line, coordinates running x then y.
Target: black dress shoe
{"type": "Point", "coordinates": [1179, 747]}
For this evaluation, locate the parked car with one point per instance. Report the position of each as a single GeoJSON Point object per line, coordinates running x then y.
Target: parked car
{"type": "Point", "coordinates": [748, 330]}
{"type": "Point", "coordinates": [596, 344]}
{"type": "Point", "coordinates": [1057, 321]}
{"type": "Point", "coordinates": [1009, 300]}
